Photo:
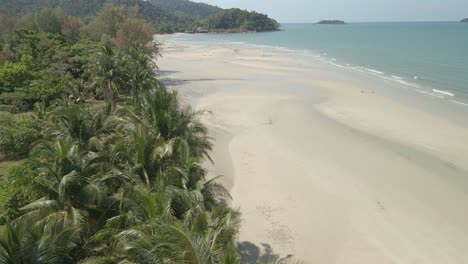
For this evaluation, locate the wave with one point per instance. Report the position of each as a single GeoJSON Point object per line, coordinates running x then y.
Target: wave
{"type": "Point", "coordinates": [408, 83]}
{"type": "Point", "coordinates": [443, 92]}
{"type": "Point", "coordinates": [430, 94]}
{"type": "Point", "coordinates": [458, 102]}
{"type": "Point", "coordinates": [374, 71]}
{"type": "Point", "coordinates": [336, 64]}
{"type": "Point", "coordinates": [325, 57]}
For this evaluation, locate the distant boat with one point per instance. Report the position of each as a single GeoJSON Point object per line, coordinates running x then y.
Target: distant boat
{"type": "Point", "coordinates": [331, 22]}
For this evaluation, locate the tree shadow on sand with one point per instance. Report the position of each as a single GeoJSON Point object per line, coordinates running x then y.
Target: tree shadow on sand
{"type": "Point", "coordinates": [173, 82]}
{"type": "Point", "coordinates": [166, 73]}
{"type": "Point", "coordinates": [253, 254]}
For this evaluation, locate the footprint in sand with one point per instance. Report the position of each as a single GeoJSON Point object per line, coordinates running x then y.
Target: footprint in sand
{"type": "Point", "coordinates": [277, 232]}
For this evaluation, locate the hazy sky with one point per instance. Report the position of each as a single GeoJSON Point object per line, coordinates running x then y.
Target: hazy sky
{"type": "Point", "coordinates": [353, 10]}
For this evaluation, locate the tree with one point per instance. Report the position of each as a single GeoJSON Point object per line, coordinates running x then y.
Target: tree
{"type": "Point", "coordinates": [7, 25]}
{"type": "Point", "coordinates": [106, 76]}
{"type": "Point", "coordinates": [50, 243]}
{"type": "Point", "coordinates": [17, 134]}
{"type": "Point", "coordinates": [104, 184]}
{"type": "Point", "coordinates": [240, 20]}
{"type": "Point", "coordinates": [71, 29]}
{"type": "Point", "coordinates": [18, 188]}
{"type": "Point", "coordinates": [46, 20]}
{"type": "Point", "coordinates": [50, 20]}
{"type": "Point", "coordinates": [108, 21]}
{"type": "Point", "coordinates": [139, 74]}
{"type": "Point", "coordinates": [135, 32]}
{"type": "Point", "coordinates": [13, 75]}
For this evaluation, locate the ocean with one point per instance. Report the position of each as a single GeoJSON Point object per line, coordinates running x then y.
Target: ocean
{"type": "Point", "coordinates": [427, 58]}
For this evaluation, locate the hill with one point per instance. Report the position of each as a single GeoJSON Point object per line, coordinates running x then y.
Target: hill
{"type": "Point", "coordinates": [165, 20]}
{"type": "Point", "coordinates": [187, 8]}
{"type": "Point", "coordinates": [331, 22]}
{"type": "Point", "coordinates": [237, 20]}
{"type": "Point", "coordinates": [167, 15]}
{"type": "Point", "coordinates": [465, 20]}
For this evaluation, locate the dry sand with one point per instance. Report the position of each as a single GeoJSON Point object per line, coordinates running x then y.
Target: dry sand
{"type": "Point", "coordinates": [324, 168]}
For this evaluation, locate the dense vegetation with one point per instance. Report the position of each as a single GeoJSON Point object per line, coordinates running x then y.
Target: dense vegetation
{"type": "Point", "coordinates": [239, 20]}
{"type": "Point", "coordinates": [164, 20]}
{"type": "Point", "coordinates": [167, 16]}
{"type": "Point", "coordinates": [113, 168]}
{"type": "Point", "coordinates": [188, 8]}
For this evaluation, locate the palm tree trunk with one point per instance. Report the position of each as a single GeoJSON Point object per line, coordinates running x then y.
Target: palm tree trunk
{"type": "Point", "coordinates": [111, 96]}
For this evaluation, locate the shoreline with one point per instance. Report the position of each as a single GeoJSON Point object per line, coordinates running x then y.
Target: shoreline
{"type": "Point", "coordinates": [322, 170]}
{"type": "Point", "coordinates": [441, 101]}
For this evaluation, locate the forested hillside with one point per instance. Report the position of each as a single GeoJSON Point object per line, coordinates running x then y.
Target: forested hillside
{"type": "Point", "coordinates": [239, 20]}
{"type": "Point", "coordinates": [167, 16]}
{"type": "Point", "coordinates": [184, 7]}
{"type": "Point", "coordinates": [164, 20]}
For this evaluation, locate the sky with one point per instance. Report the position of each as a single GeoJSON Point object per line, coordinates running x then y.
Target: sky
{"type": "Point", "coordinates": [297, 11]}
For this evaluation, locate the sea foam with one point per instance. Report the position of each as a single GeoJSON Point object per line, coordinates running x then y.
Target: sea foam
{"type": "Point", "coordinates": [443, 92]}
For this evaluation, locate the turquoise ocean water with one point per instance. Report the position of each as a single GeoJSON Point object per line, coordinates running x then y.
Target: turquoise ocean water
{"type": "Point", "coordinates": [430, 58]}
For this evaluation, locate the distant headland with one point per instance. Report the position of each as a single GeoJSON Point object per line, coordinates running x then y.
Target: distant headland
{"type": "Point", "coordinates": [331, 22]}
{"type": "Point", "coordinates": [464, 20]}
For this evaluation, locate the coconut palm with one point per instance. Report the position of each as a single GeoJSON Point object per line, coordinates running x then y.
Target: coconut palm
{"type": "Point", "coordinates": [163, 114]}
{"type": "Point", "coordinates": [40, 243]}
{"type": "Point", "coordinates": [147, 232]}
{"type": "Point", "coordinates": [106, 76]}
{"type": "Point", "coordinates": [78, 187]}
{"type": "Point", "coordinates": [139, 74]}
{"type": "Point", "coordinates": [123, 185]}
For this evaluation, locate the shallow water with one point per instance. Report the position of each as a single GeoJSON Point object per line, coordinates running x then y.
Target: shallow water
{"type": "Point", "coordinates": [430, 58]}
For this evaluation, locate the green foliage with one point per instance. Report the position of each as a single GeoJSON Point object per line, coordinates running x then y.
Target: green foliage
{"type": "Point", "coordinates": [119, 186]}
{"type": "Point", "coordinates": [109, 20]}
{"type": "Point", "coordinates": [115, 183]}
{"type": "Point", "coordinates": [17, 134]}
{"type": "Point", "coordinates": [138, 74]}
{"type": "Point", "coordinates": [40, 67]}
{"type": "Point", "coordinates": [240, 20]}
{"type": "Point", "coordinates": [106, 75]}
{"type": "Point", "coordinates": [7, 25]}
{"type": "Point", "coordinates": [46, 20]}
{"type": "Point", "coordinates": [17, 190]}
{"type": "Point", "coordinates": [188, 8]}
{"type": "Point", "coordinates": [13, 75]}
{"type": "Point", "coordinates": [87, 10]}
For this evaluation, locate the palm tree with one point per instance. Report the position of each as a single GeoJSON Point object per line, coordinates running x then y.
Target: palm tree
{"type": "Point", "coordinates": [45, 243]}
{"type": "Point", "coordinates": [89, 126]}
{"type": "Point", "coordinates": [139, 74]}
{"type": "Point", "coordinates": [106, 76]}
{"type": "Point", "coordinates": [123, 185]}
{"type": "Point", "coordinates": [147, 232]}
{"type": "Point", "coordinates": [78, 185]}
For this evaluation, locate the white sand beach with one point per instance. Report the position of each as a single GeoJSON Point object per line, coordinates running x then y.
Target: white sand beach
{"type": "Point", "coordinates": [322, 167]}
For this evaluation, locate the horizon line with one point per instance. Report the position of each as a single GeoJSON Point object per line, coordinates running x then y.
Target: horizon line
{"type": "Point", "coordinates": [355, 22]}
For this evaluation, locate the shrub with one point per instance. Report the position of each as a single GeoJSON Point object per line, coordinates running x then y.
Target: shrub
{"type": "Point", "coordinates": [18, 190]}
{"type": "Point", "coordinates": [17, 134]}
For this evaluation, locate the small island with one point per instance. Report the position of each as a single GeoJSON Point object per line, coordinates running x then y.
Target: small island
{"type": "Point", "coordinates": [331, 22]}
{"type": "Point", "coordinates": [464, 20]}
